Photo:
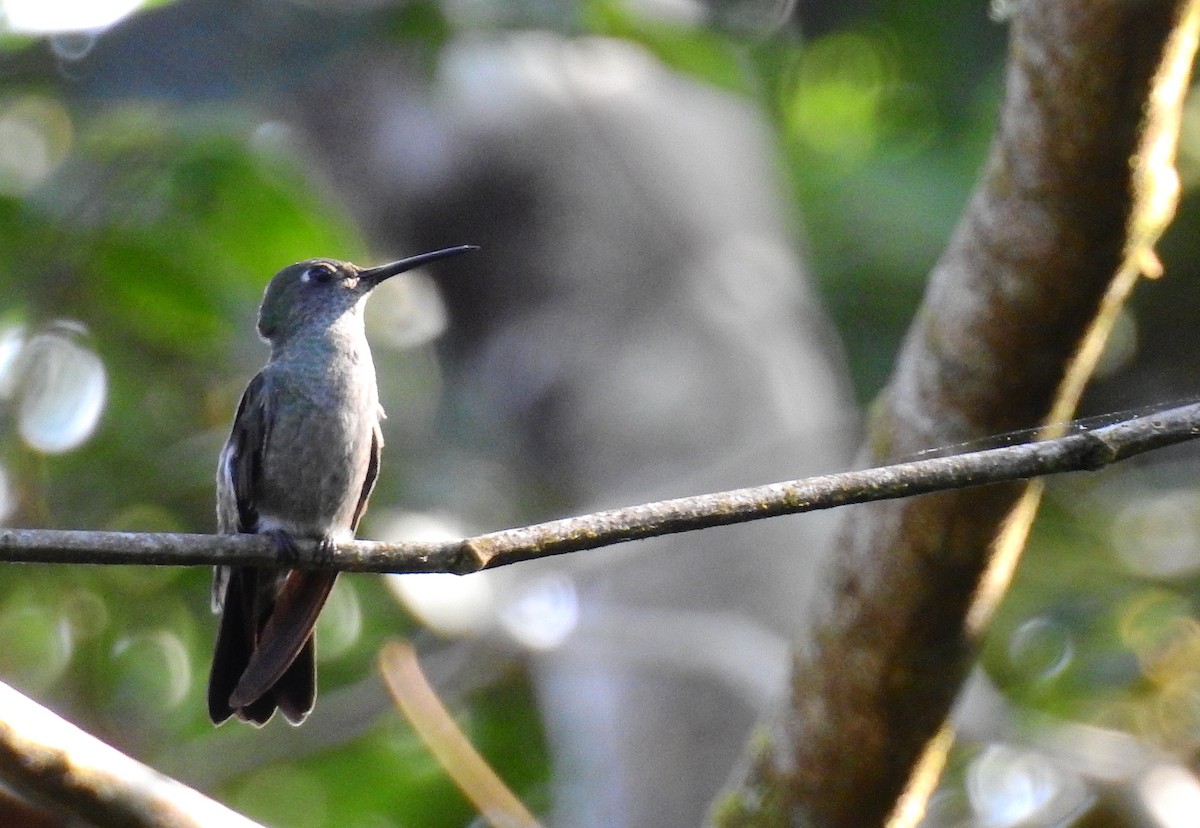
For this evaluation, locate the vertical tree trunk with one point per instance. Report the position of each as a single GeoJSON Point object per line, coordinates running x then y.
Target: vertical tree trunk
{"type": "Point", "coordinates": [1077, 187]}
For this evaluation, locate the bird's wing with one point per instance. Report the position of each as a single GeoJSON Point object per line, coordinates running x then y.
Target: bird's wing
{"type": "Point", "coordinates": [239, 470]}
{"type": "Point", "coordinates": [240, 467]}
{"type": "Point", "coordinates": [372, 473]}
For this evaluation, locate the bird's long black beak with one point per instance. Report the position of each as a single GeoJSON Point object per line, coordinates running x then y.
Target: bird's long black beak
{"type": "Point", "coordinates": [375, 275]}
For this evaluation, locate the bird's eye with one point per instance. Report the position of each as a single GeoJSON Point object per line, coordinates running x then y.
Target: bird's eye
{"type": "Point", "coordinates": [320, 273]}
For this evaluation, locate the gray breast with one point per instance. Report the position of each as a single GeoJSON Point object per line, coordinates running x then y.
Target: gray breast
{"type": "Point", "coordinates": [317, 454]}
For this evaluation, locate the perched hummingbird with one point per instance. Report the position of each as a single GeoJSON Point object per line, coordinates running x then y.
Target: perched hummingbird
{"type": "Point", "coordinates": [300, 462]}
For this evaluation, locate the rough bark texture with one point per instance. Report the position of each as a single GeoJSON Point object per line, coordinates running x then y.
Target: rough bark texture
{"type": "Point", "coordinates": [1076, 187]}
{"type": "Point", "coordinates": [88, 782]}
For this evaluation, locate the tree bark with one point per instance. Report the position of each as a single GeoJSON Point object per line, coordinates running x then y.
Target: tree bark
{"type": "Point", "coordinates": [1077, 187]}
{"type": "Point", "coordinates": [48, 760]}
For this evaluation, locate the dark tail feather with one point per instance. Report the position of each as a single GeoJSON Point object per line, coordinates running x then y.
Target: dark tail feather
{"type": "Point", "coordinates": [256, 670]}
{"type": "Point", "coordinates": [286, 634]}
{"type": "Point", "coordinates": [296, 690]}
{"type": "Point", "coordinates": [258, 713]}
{"type": "Point", "coordinates": [295, 693]}
{"type": "Point", "coordinates": [235, 642]}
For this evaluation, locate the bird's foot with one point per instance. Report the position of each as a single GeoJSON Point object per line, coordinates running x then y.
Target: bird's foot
{"type": "Point", "coordinates": [284, 543]}
{"type": "Point", "coordinates": [325, 551]}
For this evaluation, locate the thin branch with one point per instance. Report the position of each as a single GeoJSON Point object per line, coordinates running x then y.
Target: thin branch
{"type": "Point", "coordinates": [1082, 451]}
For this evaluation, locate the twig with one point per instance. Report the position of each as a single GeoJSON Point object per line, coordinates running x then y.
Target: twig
{"type": "Point", "coordinates": [1086, 450]}
{"type": "Point", "coordinates": [497, 805]}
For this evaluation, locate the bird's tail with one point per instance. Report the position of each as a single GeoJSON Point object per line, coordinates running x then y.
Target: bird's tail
{"type": "Point", "coordinates": [265, 655]}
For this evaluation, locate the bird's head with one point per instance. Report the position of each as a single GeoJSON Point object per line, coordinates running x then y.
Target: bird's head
{"type": "Point", "coordinates": [316, 293]}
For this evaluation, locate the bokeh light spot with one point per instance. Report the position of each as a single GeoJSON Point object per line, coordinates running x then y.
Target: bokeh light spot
{"type": "Point", "coordinates": [12, 341]}
{"type": "Point", "coordinates": [1007, 786]}
{"type": "Point", "coordinates": [407, 312]}
{"type": "Point", "coordinates": [1175, 716]}
{"type": "Point", "coordinates": [1156, 626]}
{"type": "Point", "coordinates": [154, 672]}
{"type": "Point", "coordinates": [47, 16]}
{"type": "Point", "coordinates": [1158, 535]}
{"type": "Point", "coordinates": [71, 47]}
{"type": "Point", "coordinates": [37, 644]}
{"type": "Point", "coordinates": [1041, 648]}
{"type": "Point", "coordinates": [836, 105]}
{"type": "Point", "coordinates": [64, 390]}
{"type": "Point", "coordinates": [86, 612]}
{"type": "Point", "coordinates": [1172, 796]}
{"type": "Point", "coordinates": [545, 612]}
{"type": "Point", "coordinates": [848, 101]}
{"type": "Point", "coordinates": [453, 605]}
{"type": "Point", "coordinates": [36, 134]}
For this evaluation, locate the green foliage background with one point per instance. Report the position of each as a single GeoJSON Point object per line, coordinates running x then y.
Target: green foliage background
{"type": "Point", "coordinates": [162, 220]}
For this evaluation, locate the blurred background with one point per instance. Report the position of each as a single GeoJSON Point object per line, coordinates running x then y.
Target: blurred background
{"type": "Point", "coordinates": [705, 226]}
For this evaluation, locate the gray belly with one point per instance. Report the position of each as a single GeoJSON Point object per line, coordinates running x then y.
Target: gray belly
{"type": "Point", "coordinates": [314, 469]}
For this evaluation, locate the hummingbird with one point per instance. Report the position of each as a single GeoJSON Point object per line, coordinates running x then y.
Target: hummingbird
{"type": "Point", "coordinates": [300, 463]}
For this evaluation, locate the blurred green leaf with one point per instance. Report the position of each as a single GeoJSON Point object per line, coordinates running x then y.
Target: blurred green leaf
{"type": "Point", "coordinates": [704, 54]}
